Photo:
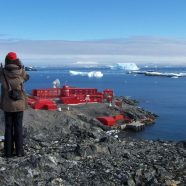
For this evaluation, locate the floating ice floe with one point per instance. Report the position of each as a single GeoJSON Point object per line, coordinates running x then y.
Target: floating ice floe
{"type": "Point", "coordinates": [91, 74]}
{"type": "Point", "coordinates": [75, 73]}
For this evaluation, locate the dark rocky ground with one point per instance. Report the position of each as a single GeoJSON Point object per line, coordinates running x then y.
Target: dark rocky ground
{"type": "Point", "coordinates": [73, 148]}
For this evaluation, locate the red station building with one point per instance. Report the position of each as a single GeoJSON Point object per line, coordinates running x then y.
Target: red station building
{"type": "Point", "coordinates": [42, 98]}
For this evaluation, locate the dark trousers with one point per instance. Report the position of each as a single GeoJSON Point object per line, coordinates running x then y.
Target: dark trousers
{"type": "Point", "coordinates": [13, 133]}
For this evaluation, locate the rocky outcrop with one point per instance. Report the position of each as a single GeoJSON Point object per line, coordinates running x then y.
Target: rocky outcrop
{"type": "Point", "coordinates": [73, 148]}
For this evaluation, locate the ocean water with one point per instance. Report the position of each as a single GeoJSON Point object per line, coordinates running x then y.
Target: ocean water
{"type": "Point", "coordinates": [164, 96]}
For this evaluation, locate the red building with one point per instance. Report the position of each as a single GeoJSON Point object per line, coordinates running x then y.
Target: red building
{"type": "Point", "coordinates": [74, 95]}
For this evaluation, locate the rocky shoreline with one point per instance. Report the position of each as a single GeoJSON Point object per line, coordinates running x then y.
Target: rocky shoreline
{"type": "Point", "coordinates": [71, 147]}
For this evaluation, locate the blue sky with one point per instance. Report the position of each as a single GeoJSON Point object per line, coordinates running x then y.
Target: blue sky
{"type": "Point", "coordinates": [92, 20]}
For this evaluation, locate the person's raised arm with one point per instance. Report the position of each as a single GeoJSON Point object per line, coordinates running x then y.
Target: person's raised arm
{"type": "Point", "coordinates": [26, 76]}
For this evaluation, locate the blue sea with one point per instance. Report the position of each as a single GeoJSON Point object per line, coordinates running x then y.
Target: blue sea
{"type": "Point", "coordinates": [163, 96]}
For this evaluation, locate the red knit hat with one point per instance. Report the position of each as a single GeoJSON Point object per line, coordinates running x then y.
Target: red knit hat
{"type": "Point", "coordinates": [11, 56]}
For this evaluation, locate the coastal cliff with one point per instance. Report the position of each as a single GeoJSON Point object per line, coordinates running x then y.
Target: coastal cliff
{"type": "Point", "coordinates": [72, 147]}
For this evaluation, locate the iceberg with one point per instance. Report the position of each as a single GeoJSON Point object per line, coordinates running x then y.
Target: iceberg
{"type": "Point", "coordinates": [96, 74]}
{"type": "Point", "coordinates": [127, 66]}
{"type": "Point", "coordinates": [91, 74]}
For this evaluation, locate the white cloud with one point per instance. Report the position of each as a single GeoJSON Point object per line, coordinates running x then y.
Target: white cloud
{"type": "Point", "coordinates": [133, 49]}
